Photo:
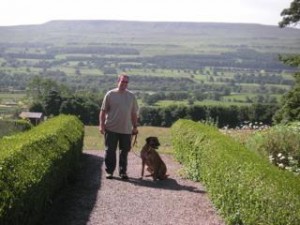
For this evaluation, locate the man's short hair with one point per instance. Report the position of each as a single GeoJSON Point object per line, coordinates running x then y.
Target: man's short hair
{"type": "Point", "coordinates": [123, 76]}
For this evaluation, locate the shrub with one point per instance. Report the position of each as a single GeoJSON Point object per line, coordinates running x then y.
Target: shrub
{"type": "Point", "coordinates": [34, 165]}
{"type": "Point", "coordinates": [280, 144]}
{"type": "Point", "coordinates": [245, 188]}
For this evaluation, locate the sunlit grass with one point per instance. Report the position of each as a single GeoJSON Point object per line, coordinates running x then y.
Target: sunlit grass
{"type": "Point", "coordinates": [166, 103]}
{"type": "Point", "coordinates": [159, 73]}
{"type": "Point", "coordinates": [16, 95]}
{"type": "Point", "coordinates": [244, 97]}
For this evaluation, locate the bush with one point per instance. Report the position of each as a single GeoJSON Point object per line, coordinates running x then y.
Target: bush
{"type": "Point", "coordinates": [34, 165]}
{"type": "Point", "coordinates": [280, 144]}
{"type": "Point", "coordinates": [245, 188]}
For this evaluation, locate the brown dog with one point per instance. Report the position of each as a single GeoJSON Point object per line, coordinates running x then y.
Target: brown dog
{"type": "Point", "coordinates": [151, 158]}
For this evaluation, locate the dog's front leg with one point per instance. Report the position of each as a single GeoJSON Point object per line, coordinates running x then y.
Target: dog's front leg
{"type": "Point", "coordinates": [143, 168]}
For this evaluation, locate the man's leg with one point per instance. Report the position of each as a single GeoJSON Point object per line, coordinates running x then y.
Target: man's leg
{"type": "Point", "coordinates": [111, 143]}
{"type": "Point", "coordinates": [124, 145]}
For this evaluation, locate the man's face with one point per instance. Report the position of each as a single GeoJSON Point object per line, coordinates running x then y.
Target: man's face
{"type": "Point", "coordinates": [123, 83]}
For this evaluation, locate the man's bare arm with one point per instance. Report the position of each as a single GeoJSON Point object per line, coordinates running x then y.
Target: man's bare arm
{"type": "Point", "coordinates": [102, 115]}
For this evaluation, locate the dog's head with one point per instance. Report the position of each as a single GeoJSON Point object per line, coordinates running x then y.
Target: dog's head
{"type": "Point", "coordinates": [153, 142]}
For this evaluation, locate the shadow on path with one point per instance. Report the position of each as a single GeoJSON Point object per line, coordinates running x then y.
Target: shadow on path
{"type": "Point", "coordinates": [169, 184]}
{"type": "Point", "coordinates": [75, 202]}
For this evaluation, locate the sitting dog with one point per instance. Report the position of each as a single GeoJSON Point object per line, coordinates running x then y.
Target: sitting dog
{"type": "Point", "coordinates": [152, 160]}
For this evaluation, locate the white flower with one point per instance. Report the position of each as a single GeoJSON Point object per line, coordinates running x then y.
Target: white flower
{"type": "Point", "coordinates": [271, 158]}
{"type": "Point", "coordinates": [281, 165]}
{"type": "Point", "coordinates": [289, 168]}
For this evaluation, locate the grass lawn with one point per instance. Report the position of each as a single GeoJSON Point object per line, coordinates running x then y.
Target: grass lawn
{"type": "Point", "coordinates": [93, 140]}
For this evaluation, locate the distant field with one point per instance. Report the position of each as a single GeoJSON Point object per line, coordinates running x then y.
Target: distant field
{"type": "Point", "coordinates": [165, 103]}
{"type": "Point", "coordinates": [7, 111]}
{"type": "Point", "coordinates": [159, 73]}
{"type": "Point", "coordinates": [9, 99]}
{"type": "Point", "coordinates": [12, 95]}
{"type": "Point", "coordinates": [243, 97]}
{"type": "Point", "coordinates": [215, 59]}
{"type": "Point", "coordinates": [10, 103]}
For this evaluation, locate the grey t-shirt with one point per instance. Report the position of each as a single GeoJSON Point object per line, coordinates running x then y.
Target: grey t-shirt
{"type": "Point", "coordinates": [119, 107]}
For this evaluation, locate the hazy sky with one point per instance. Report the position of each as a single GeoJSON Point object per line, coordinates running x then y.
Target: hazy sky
{"type": "Point", "coordinates": [18, 12]}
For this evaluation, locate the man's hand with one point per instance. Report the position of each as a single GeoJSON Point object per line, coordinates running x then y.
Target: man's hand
{"type": "Point", "coordinates": [134, 131]}
{"type": "Point", "coordinates": [102, 129]}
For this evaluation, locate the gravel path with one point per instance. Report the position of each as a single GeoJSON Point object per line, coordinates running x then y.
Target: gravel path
{"type": "Point", "coordinates": [95, 200]}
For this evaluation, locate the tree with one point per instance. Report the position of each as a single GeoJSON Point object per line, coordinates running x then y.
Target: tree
{"type": "Point", "coordinates": [290, 106]}
{"type": "Point", "coordinates": [86, 109]}
{"type": "Point", "coordinates": [36, 107]}
{"type": "Point", "coordinates": [52, 103]}
{"type": "Point", "coordinates": [38, 88]}
{"type": "Point", "coordinates": [291, 15]}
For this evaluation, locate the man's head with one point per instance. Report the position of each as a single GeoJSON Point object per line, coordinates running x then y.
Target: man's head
{"type": "Point", "coordinates": [123, 80]}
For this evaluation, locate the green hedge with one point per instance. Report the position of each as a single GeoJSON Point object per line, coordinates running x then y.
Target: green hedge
{"type": "Point", "coordinates": [10, 127]}
{"type": "Point", "coordinates": [34, 165]}
{"type": "Point", "coordinates": [245, 188]}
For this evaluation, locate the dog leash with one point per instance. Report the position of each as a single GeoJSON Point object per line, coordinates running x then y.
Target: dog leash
{"type": "Point", "coordinates": [134, 140]}
{"type": "Point", "coordinates": [133, 143]}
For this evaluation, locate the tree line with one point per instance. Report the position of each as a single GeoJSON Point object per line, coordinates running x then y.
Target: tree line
{"type": "Point", "coordinates": [97, 57]}
{"type": "Point", "coordinates": [53, 99]}
{"type": "Point", "coordinates": [161, 88]}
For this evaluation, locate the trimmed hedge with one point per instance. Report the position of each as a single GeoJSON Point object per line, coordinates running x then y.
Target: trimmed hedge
{"type": "Point", "coordinates": [34, 165]}
{"type": "Point", "coordinates": [245, 188]}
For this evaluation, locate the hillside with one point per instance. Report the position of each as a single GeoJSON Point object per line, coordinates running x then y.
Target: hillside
{"type": "Point", "coordinates": [130, 32]}
{"type": "Point", "coordinates": [196, 61]}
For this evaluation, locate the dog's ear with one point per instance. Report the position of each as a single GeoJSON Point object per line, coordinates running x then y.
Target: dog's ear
{"type": "Point", "coordinates": [148, 139]}
{"type": "Point", "coordinates": [157, 141]}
